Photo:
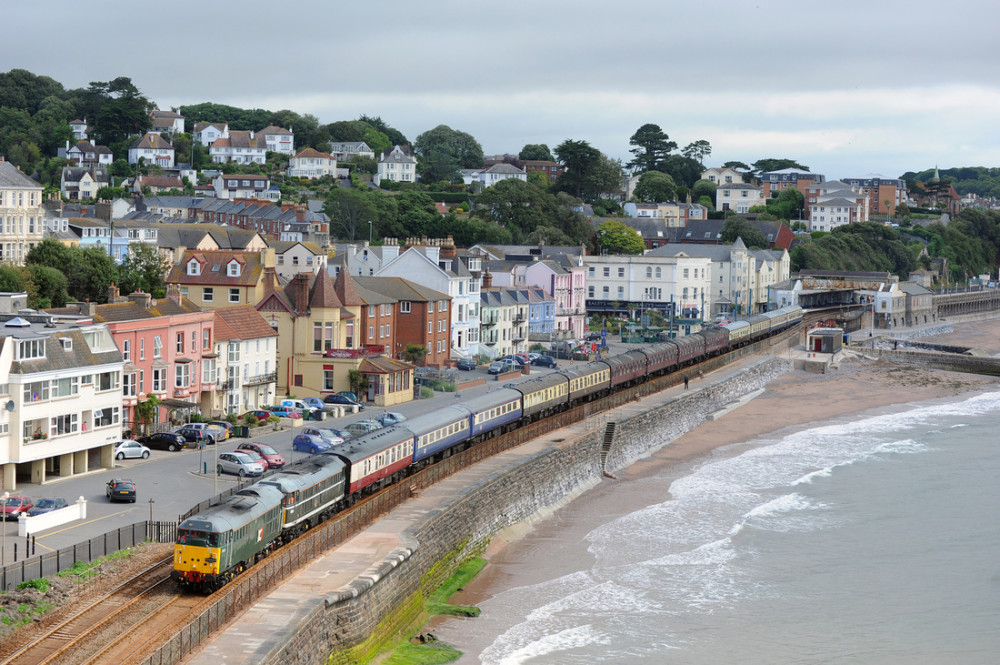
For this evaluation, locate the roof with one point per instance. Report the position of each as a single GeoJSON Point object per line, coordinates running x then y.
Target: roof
{"type": "Point", "coordinates": [273, 129]}
{"type": "Point", "coordinates": [161, 181]}
{"type": "Point", "coordinates": [11, 177]}
{"type": "Point", "coordinates": [133, 311]}
{"type": "Point", "coordinates": [241, 322]}
{"type": "Point", "coordinates": [400, 288]}
{"type": "Point", "coordinates": [313, 152]}
{"type": "Point", "coordinates": [59, 357]}
{"type": "Point", "coordinates": [214, 268]}
{"type": "Point", "coordinates": [345, 289]}
{"type": "Point", "coordinates": [504, 168]}
{"type": "Point", "coordinates": [153, 141]}
{"type": "Point", "coordinates": [241, 139]}
{"type": "Point", "coordinates": [323, 294]}
{"type": "Point", "coordinates": [383, 365]}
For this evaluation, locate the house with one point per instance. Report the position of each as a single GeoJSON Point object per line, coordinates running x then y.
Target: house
{"type": "Point", "coordinates": [278, 139]}
{"type": "Point", "coordinates": [78, 183]}
{"type": "Point", "coordinates": [673, 285]}
{"type": "Point", "coordinates": [834, 203]}
{"type": "Point", "coordinates": [207, 133]}
{"type": "Point", "coordinates": [884, 194]}
{"type": "Point", "coordinates": [152, 149]}
{"type": "Point", "coordinates": [61, 380]}
{"type": "Point", "coordinates": [86, 154]}
{"type": "Point", "coordinates": [396, 165]}
{"type": "Point", "coordinates": [311, 163]}
{"type": "Point", "coordinates": [320, 342]}
{"type": "Point", "coordinates": [247, 363]}
{"type": "Point", "coordinates": [775, 181]}
{"type": "Point", "coordinates": [724, 176]}
{"type": "Point", "coordinates": [154, 184]}
{"type": "Point", "coordinates": [563, 279]}
{"type": "Point", "coordinates": [417, 315]}
{"type": "Point", "coordinates": [79, 129]}
{"type": "Point", "coordinates": [345, 151]}
{"type": "Point", "coordinates": [293, 257]}
{"type": "Point", "coordinates": [489, 176]}
{"type": "Point", "coordinates": [242, 186]}
{"type": "Point", "coordinates": [223, 278]}
{"type": "Point", "coordinates": [240, 147]}
{"type": "Point", "coordinates": [738, 196]}
{"type": "Point", "coordinates": [21, 212]}
{"type": "Point", "coordinates": [167, 122]}
{"type": "Point", "coordinates": [550, 170]}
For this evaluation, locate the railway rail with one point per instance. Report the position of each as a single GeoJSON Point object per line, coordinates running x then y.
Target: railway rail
{"type": "Point", "coordinates": [148, 620]}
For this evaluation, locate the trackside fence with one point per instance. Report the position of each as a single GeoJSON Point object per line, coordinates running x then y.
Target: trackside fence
{"type": "Point", "coordinates": [50, 563]}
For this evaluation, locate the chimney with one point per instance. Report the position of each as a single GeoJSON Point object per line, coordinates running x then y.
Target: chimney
{"type": "Point", "coordinates": [144, 300]}
{"type": "Point", "coordinates": [85, 308]}
{"type": "Point", "coordinates": [174, 293]}
{"type": "Point", "coordinates": [300, 288]}
{"type": "Point", "coordinates": [487, 278]}
{"type": "Point", "coordinates": [300, 212]}
{"type": "Point", "coordinates": [112, 293]}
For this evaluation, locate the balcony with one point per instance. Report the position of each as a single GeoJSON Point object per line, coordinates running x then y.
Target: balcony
{"type": "Point", "coordinates": [260, 379]}
{"type": "Point", "coordinates": [229, 384]}
{"type": "Point", "coordinates": [366, 351]}
{"type": "Point", "coordinates": [485, 323]}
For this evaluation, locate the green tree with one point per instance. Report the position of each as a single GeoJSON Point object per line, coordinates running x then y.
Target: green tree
{"type": "Point", "coordinates": [703, 188]}
{"type": "Point", "coordinates": [122, 113]}
{"type": "Point", "coordinates": [49, 286]}
{"type": "Point", "coordinates": [536, 152]}
{"type": "Point", "coordinates": [396, 137]}
{"type": "Point", "coordinates": [789, 204]}
{"type": "Point", "coordinates": [442, 151]}
{"type": "Point", "coordinates": [376, 140]}
{"type": "Point", "coordinates": [21, 89]}
{"type": "Point", "coordinates": [655, 187]}
{"type": "Point", "coordinates": [684, 170]}
{"type": "Point", "coordinates": [415, 353]}
{"type": "Point", "coordinates": [144, 269]}
{"type": "Point", "coordinates": [90, 274]}
{"type": "Point", "coordinates": [589, 174]}
{"type": "Point", "coordinates": [652, 146]}
{"type": "Point", "coordinates": [50, 252]}
{"type": "Point", "coordinates": [698, 151]}
{"type": "Point", "coordinates": [738, 227]}
{"type": "Point", "coordinates": [350, 211]}
{"type": "Point", "coordinates": [614, 237]}
{"type": "Point", "coordinates": [769, 164]}
{"type": "Point", "coordinates": [738, 166]}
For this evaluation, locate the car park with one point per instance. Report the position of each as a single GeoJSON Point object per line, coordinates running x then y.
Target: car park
{"type": "Point", "coordinates": [306, 410]}
{"type": "Point", "coordinates": [515, 358]}
{"type": "Point", "coordinates": [284, 412]}
{"type": "Point", "coordinates": [327, 435]}
{"type": "Point", "coordinates": [195, 436]}
{"type": "Point", "coordinates": [390, 418]}
{"type": "Point", "coordinates": [307, 443]}
{"type": "Point", "coordinates": [129, 448]}
{"type": "Point", "coordinates": [239, 464]}
{"type": "Point", "coordinates": [466, 365]}
{"type": "Point", "coordinates": [120, 489]}
{"type": "Point", "coordinates": [522, 358]}
{"type": "Point", "coordinates": [15, 505]}
{"type": "Point", "coordinates": [43, 506]}
{"type": "Point", "coordinates": [164, 441]}
{"type": "Point", "coordinates": [544, 361]}
{"type": "Point", "coordinates": [342, 400]}
{"type": "Point", "coordinates": [362, 427]}
{"type": "Point", "coordinates": [316, 403]}
{"type": "Point", "coordinates": [273, 458]}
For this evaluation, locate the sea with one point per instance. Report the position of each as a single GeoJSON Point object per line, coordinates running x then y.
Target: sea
{"type": "Point", "coordinates": [868, 539]}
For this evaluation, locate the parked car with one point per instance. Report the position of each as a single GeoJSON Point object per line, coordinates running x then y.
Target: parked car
{"type": "Point", "coordinates": [516, 358]}
{"type": "Point", "coordinates": [274, 460]}
{"type": "Point", "coordinates": [255, 456]}
{"type": "Point", "coordinates": [14, 505]}
{"type": "Point", "coordinates": [284, 412]}
{"type": "Point", "coordinates": [522, 358]}
{"type": "Point", "coordinates": [342, 433]}
{"type": "Point", "coordinates": [259, 414]}
{"type": "Point", "coordinates": [327, 435]}
{"type": "Point", "coordinates": [362, 427]}
{"type": "Point", "coordinates": [195, 436]}
{"type": "Point", "coordinates": [213, 433]}
{"type": "Point", "coordinates": [131, 449]}
{"type": "Point", "coordinates": [307, 443]}
{"type": "Point", "coordinates": [342, 400]}
{"type": "Point", "coordinates": [390, 418]}
{"type": "Point", "coordinates": [352, 395]}
{"type": "Point", "coordinates": [504, 365]}
{"type": "Point", "coordinates": [225, 426]}
{"type": "Point", "coordinates": [120, 489]}
{"type": "Point", "coordinates": [315, 403]}
{"type": "Point", "coordinates": [307, 411]}
{"type": "Point", "coordinates": [545, 361]}
{"type": "Point", "coordinates": [466, 365]}
{"type": "Point", "coordinates": [43, 506]}
{"type": "Point", "coordinates": [239, 464]}
{"type": "Point", "coordinates": [164, 441]}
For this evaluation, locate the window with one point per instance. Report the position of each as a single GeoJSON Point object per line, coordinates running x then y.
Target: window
{"type": "Point", "coordinates": [126, 350]}
{"type": "Point", "coordinates": [234, 295]}
{"type": "Point", "coordinates": [36, 392]}
{"type": "Point", "coordinates": [207, 294]}
{"type": "Point", "coordinates": [157, 347]}
{"type": "Point", "coordinates": [649, 272]}
{"type": "Point", "coordinates": [159, 380]}
{"type": "Point", "coordinates": [327, 379]}
{"type": "Point", "coordinates": [234, 352]}
{"type": "Point", "coordinates": [590, 291]}
{"type": "Point", "coordinates": [180, 342]}
{"type": "Point", "coordinates": [208, 371]}
{"type": "Point", "coordinates": [106, 381]}
{"type": "Point", "coordinates": [31, 348]}
{"type": "Point", "coordinates": [621, 272]}
{"type": "Point", "coordinates": [106, 417]}
{"type": "Point", "coordinates": [233, 269]}
{"type": "Point", "coordinates": [65, 387]}
{"type": "Point", "coordinates": [129, 385]}
{"type": "Point", "coordinates": [404, 307]}
{"type": "Point", "coordinates": [182, 376]}
{"type": "Point", "coordinates": [194, 268]}
{"type": "Point", "coordinates": [442, 305]}
{"type": "Point", "coordinates": [206, 339]}
{"type": "Point", "coordinates": [142, 348]}
{"type": "Point", "coordinates": [68, 424]}
{"type": "Point", "coordinates": [659, 273]}
{"type": "Point", "coordinates": [607, 272]}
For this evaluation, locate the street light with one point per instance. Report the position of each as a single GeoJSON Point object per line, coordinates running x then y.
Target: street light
{"type": "Point", "coordinates": [369, 232]}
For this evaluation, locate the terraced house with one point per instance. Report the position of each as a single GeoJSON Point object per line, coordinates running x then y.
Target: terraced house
{"type": "Point", "coordinates": [22, 216]}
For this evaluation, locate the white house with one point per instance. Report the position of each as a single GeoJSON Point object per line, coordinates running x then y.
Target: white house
{"type": "Point", "coordinates": [79, 129]}
{"type": "Point", "coordinates": [208, 133]}
{"type": "Point", "coordinates": [152, 149]}
{"type": "Point", "coordinates": [278, 139]}
{"type": "Point", "coordinates": [488, 177]}
{"type": "Point", "coordinates": [242, 186]}
{"type": "Point", "coordinates": [239, 148]}
{"type": "Point", "coordinates": [247, 362]}
{"type": "Point", "coordinates": [77, 183]}
{"type": "Point", "coordinates": [397, 165]}
{"type": "Point", "coordinates": [291, 258]}
{"type": "Point", "coordinates": [167, 122]}
{"type": "Point", "coordinates": [722, 176]}
{"type": "Point", "coordinates": [85, 153]}
{"type": "Point", "coordinates": [311, 163]}
{"type": "Point", "coordinates": [344, 151]}
{"type": "Point", "coordinates": [738, 196]}
{"type": "Point", "coordinates": [22, 214]}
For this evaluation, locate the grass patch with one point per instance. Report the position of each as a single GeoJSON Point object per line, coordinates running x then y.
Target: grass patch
{"type": "Point", "coordinates": [438, 601]}
{"type": "Point", "coordinates": [40, 584]}
{"type": "Point", "coordinates": [82, 570]}
{"type": "Point", "coordinates": [434, 653]}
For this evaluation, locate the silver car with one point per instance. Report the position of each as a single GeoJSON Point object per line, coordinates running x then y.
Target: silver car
{"type": "Point", "coordinates": [239, 464]}
{"type": "Point", "coordinates": [130, 448]}
{"type": "Point", "coordinates": [327, 435]}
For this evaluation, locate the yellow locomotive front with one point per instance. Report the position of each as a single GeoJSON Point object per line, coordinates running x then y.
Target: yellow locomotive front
{"type": "Point", "coordinates": [197, 555]}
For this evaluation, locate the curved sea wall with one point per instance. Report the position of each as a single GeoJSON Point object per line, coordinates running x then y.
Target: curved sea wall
{"type": "Point", "coordinates": [358, 621]}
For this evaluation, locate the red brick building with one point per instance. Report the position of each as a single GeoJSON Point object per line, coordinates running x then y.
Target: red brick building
{"type": "Point", "coordinates": [419, 315]}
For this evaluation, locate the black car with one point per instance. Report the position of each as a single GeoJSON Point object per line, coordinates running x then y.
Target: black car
{"type": "Point", "coordinates": [121, 489]}
{"type": "Point", "coordinates": [164, 441]}
{"type": "Point", "coordinates": [467, 365]}
{"type": "Point", "coordinates": [195, 436]}
{"type": "Point", "coordinates": [544, 361]}
{"type": "Point", "coordinates": [343, 400]}
{"type": "Point", "coordinates": [43, 506]}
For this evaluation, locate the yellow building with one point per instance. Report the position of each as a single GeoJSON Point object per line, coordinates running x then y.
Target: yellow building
{"type": "Point", "coordinates": [223, 278]}
{"type": "Point", "coordinates": [319, 342]}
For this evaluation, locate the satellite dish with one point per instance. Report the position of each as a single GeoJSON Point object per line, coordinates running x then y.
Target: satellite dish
{"type": "Point", "coordinates": [10, 405]}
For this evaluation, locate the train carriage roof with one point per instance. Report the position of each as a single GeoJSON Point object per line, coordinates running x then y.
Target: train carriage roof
{"type": "Point", "coordinates": [370, 444]}
{"type": "Point", "coordinates": [243, 507]}
{"type": "Point", "coordinates": [490, 400]}
{"type": "Point", "coordinates": [540, 383]}
{"type": "Point", "coordinates": [430, 421]}
{"type": "Point", "coordinates": [735, 325]}
{"type": "Point", "coordinates": [583, 370]}
{"type": "Point", "coordinates": [304, 473]}
{"type": "Point", "coordinates": [625, 358]}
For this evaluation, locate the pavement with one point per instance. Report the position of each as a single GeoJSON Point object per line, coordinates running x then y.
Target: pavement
{"type": "Point", "coordinates": [168, 484]}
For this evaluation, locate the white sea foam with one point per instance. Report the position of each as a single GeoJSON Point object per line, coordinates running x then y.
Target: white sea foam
{"type": "Point", "coordinates": [562, 640]}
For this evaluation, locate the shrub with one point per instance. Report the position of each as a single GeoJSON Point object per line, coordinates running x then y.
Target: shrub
{"type": "Point", "coordinates": [232, 419]}
{"type": "Point", "coordinates": [273, 419]}
{"type": "Point", "coordinates": [195, 418]}
{"type": "Point", "coordinates": [426, 393]}
{"type": "Point", "coordinates": [41, 584]}
{"type": "Point", "coordinates": [250, 420]}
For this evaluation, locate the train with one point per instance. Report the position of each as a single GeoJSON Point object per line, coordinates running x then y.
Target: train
{"type": "Point", "coordinates": [220, 542]}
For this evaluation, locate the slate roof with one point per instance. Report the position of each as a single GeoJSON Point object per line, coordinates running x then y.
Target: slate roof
{"type": "Point", "coordinates": [272, 130]}
{"type": "Point", "coordinates": [399, 288]}
{"type": "Point", "coordinates": [11, 177]}
{"type": "Point", "coordinates": [161, 181]}
{"type": "Point", "coordinates": [214, 268]}
{"type": "Point", "coordinates": [241, 139]}
{"type": "Point", "coordinates": [132, 311]}
{"type": "Point", "coordinates": [241, 322]}
{"type": "Point", "coordinates": [59, 358]}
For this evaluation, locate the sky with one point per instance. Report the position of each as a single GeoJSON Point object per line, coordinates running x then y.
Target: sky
{"type": "Point", "coordinates": [847, 89]}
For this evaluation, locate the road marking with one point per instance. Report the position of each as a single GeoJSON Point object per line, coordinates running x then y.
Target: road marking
{"type": "Point", "coordinates": [70, 528]}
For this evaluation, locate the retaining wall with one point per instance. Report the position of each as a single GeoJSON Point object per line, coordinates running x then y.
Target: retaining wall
{"type": "Point", "coordinates": [353, 623]}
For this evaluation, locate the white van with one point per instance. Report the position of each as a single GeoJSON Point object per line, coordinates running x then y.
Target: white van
{"type": "Point", "coordinates": [300, 406]}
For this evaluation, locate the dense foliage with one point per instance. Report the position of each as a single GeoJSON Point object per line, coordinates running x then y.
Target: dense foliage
{"type": "Point", "coordinates": [967, 179]}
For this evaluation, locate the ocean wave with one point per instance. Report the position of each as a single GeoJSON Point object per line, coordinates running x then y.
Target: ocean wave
{"type": "Point", "coordinates": [563, 640]}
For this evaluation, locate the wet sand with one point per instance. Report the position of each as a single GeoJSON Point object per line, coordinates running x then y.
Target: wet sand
{"type": "Point", "coordinates": [792, 401]}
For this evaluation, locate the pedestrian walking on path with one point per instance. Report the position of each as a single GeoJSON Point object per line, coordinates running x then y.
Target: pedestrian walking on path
{"type": "Point", "coordinates": [686, 379]}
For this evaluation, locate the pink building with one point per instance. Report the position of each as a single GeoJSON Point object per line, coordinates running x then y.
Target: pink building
{"type": "Point", "coordinates": [168, 348]}
{"type": "Point", "coordinates": [564, 278]}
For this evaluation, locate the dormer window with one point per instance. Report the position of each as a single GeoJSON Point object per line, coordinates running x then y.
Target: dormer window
{"type": "Point", "coordinates": [194, 268]}
{"type": "Point", "coordinates": [32, 348]}
{"type": "Point", "coordinates": [233, 269]}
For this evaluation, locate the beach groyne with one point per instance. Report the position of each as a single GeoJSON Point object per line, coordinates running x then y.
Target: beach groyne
{"type": "Point", "coordinates": [357, 621]}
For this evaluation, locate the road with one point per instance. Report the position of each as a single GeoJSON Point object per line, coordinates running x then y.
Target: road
{"type": "Point", "coordinates": [177, 481]}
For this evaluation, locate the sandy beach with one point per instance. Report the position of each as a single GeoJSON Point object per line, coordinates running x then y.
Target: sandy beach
{"type": "Point", "coordinates": [792, 401]}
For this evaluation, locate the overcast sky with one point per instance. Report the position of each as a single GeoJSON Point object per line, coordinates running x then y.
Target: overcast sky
{"type": "Point", "coordinates": [846, 88]}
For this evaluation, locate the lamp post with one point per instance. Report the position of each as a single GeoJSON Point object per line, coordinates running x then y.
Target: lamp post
{"type": "Point", "coordinates": [369, 232]}
{"type": "Point", "coordinates": [3, 552]}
